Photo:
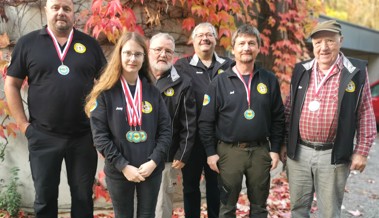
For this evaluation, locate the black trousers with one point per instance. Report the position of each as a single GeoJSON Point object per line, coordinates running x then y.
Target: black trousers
{"type": "Point", "coordinates": [46, 153]}
{"type": "Point", "coordinates": [122, 196]}
{"type": "Point", "coordinates": [192, 172]}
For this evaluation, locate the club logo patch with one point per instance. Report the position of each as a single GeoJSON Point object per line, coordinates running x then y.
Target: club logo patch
{"type": "Point", "coordinates": [206, 100]}
{"type": "Point", "coordinates": [350, 87]}
{"type": "Point", "coordinates": [79, 48]}
{"type": "Point", "coordinates": [262, 88]}
{"type": "Point", "coordinates": [169, 92]}
{"type": "Point", "coordinates": [220, 71]}
{"type": "Point", "coordinates": [146, 107]}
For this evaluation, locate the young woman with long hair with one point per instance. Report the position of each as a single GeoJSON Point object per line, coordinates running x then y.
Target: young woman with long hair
{"type": "Point", "coordinates": [131, 128]}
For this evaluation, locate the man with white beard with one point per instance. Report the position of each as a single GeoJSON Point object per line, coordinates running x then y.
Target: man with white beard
{"type": "Point", "coordinates": [176, 90]}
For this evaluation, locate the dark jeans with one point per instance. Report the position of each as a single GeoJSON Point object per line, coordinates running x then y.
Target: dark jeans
{"type": "Point", "coordinates": [46, 153]}
{"type": "Point", "coordinates": [191, 185]}
{"type": "Point", "coordinates": [122, 196]}
{"type": "Point", "coordinates": [234, 163]}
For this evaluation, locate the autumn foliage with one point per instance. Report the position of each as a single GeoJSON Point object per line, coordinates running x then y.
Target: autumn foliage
{"type": "Point", "coordinates": [283, 24]}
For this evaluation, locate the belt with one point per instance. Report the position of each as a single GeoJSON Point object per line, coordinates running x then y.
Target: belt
{"type": "Point", "coordinates": [246, 144]}
{"type": "Point", "coordinates": [318, 146]}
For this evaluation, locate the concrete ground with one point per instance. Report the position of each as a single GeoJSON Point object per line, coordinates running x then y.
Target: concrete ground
{"type": "Point", "coordinates": [362, 189]}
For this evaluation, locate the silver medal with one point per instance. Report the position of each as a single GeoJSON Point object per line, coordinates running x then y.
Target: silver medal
{"type": "Point", "coordinates": [63, 70]}
{"type": "Point", "coordinates": [314, 105]}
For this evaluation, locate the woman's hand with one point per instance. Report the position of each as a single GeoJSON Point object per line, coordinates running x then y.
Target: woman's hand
{"type": "Point", "coordinates": [131, 174]}
{"type": "Point", "coordinates": [147, 168]}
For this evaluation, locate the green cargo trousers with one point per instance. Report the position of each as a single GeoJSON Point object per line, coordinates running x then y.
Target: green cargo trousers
{"type": "Point", "coordinates": [234, 163]}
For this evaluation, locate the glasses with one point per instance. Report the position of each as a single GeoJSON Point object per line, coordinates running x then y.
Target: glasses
{"type": "Point", "coordinates": [201, 35]}
{"type": "Point", "coordinates": [137, 55]}
{"type": "Point", "coordinates": [158, 51]}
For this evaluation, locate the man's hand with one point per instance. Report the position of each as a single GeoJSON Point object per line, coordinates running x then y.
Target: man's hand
{"type": "Point", "coordinates": [212, 162]}
{"type": "Point", "coordinates": [358, 162]}
{"type": "Point", "coordinates": [283, 154]}
{"type": "Point", "coordinates": [131, 174]}
{"type": "Point", "coordinates": [23, 126]}
{"type": "Point", "coordinates": [177, 164]}
{"type": "Point", "coordinates": [147, 168]}
{"type": "Point", "coordinates": [275, 160]}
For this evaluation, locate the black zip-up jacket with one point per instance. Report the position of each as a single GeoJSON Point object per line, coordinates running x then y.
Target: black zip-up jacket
{"type": "Point", "coordinates": [109, 126]}
{"type": "Point", "coordinates": [348, 102]}
{"type": "Point", "coordinates": [200, 78]}
{"type": "Point", "coordinates": [176, 90]}
{"type": "Point", "coordinates": [225, 102]}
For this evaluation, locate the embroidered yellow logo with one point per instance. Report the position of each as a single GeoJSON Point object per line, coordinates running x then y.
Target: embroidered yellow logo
{"type": "Point", "coordinates": [80, 48]}
{"type": "Point", "coordinates": [146, 107]}
{"type": "Point", "coordinates": [93, 106]}
{"type": "Point", "coordinates": [262, 88]}
{"type": "Point", "coordinates": [220, 71]}
{"type": "Point", "coordinates": [350, 87]}
{"type": "Point", "coordinates": [206, 100]}
{"type": "Point", "coordinates": [169, 92]}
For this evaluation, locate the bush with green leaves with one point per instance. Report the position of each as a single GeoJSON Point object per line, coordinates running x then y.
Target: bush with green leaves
{"type": "Point", "coordinates": [10, 198]}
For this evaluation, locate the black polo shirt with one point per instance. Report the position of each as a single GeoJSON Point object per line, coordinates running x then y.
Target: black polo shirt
{"type": "Point", "coordinates": [55, 101]}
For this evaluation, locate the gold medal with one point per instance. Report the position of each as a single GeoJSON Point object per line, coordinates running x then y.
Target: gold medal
{"type": "Point", "coordinates": [143, 135]}
{"type": "Point", "coordinates": [136, 137]}
{"type": "Point", "coordinates": [129, 136]}
{"type": "Point", "coordinates": [249, 114]}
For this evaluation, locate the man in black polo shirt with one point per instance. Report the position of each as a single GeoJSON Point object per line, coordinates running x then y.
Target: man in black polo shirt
{"type": "Point", "coordinates": [241, 126]}
{"type": "Point", "coordinates": [61, 64]}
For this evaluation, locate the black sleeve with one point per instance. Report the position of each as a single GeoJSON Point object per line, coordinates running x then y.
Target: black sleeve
{"type": "Point", "coordinates": [187, 117]}
{"type": "Point", "coordinates": [163, 137]}
{"type": "Point", "coordinates": [277, 117]}
{"type": "Point", "coordinates": [18, 66]}
{"type": "Point", "coordinates": [102, 135]}
{"type": "Point", "coordinates": [207, 120]}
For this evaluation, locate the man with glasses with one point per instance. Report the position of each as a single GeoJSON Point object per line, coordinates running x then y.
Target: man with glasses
{"type": "Point", "coordinates": [202, 67]}
{"type": "Point", "coordinates": [176, 90]}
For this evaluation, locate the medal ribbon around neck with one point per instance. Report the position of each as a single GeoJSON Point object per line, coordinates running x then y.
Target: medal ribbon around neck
{"type": "Point", "coordinates": [133, 104]}
{"type": "Point", "coordinates": [61, 55]}
{"type": "Point", "coordinates": [331, 69]}
{"type": "Point", "coordinates": [247, 87]}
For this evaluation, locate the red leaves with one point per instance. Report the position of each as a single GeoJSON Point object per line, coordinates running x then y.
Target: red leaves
{"type": "Point", "coordinates": [99, 189]}
{"type": "Point", "coordinates": [278, 202]}
{"type": "Point", "coordinates": [110, 17]}
{"type": "Point", "coordinates": [188, 23]}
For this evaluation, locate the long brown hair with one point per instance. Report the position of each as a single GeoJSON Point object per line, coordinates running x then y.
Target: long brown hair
{"type": "Point", "coordinates": [113, 70]}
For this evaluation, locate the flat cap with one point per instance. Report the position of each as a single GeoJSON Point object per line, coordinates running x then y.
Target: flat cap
{"type": "Point", "coordinates": [329, 25]}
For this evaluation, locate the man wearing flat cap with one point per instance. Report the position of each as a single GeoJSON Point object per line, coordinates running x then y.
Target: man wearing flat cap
{"type": "Point", "coordinates": [329, 105]}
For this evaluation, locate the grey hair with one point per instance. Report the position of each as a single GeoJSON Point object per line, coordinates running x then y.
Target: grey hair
{"type": "Point", "coordinates": [206, 24]}
{"type": "Point", "coordinates": [162, 35]}
{"type": "Point", "coordinates": [246, 29]}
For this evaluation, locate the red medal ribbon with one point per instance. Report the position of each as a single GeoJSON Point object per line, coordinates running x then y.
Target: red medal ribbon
{"type": "Point", "coordinates": [133, 104]}
{"type": "Point", "coordinates": [331, 69]}
{"type": "Point", "coordinates": [61, 55]}
{"type": "Point", "coordinates": [247, 86]}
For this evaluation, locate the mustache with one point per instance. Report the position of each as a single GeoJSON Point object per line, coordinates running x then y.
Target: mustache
{"type": "Point", "coordinates": [206, 41]}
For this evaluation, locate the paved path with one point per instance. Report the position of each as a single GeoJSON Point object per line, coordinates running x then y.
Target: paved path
{"type": "Point", "coordinates": [362, 190]}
